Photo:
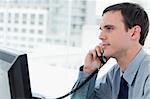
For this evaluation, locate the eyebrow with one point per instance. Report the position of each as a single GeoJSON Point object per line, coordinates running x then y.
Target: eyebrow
{"type": "Point", "coordinates": [106, 26]}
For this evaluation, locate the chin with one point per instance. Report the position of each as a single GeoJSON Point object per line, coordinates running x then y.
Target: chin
{"type": "Point", "coordinates": [107, 53]}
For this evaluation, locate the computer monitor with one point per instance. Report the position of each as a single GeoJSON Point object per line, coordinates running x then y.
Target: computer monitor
{"type": "Point", "coordinates": [15, 75]}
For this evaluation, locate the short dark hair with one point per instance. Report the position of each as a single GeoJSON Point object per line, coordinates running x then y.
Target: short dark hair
{"type": "Point", "coordinates": [133, 14]}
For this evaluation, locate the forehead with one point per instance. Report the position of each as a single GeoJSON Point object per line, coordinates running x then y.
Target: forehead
{"type": "Point", "coordinates": [112, 18]}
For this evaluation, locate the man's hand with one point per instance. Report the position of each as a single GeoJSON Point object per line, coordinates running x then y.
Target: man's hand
{"type": "Point", "coordinates": [92, 61]}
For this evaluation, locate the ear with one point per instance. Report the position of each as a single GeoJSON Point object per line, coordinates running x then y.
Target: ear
{"type": "Point", "coordinates": [135, 34]}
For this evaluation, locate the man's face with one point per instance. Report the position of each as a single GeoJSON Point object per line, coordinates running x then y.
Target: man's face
{"type": "Point", "coordinates": [115, 39]}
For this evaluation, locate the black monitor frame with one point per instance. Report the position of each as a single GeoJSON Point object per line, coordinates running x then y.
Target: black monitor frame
{"type": "Point", "coordinates": [18, 73]}
{"type": "Point", "coordinates": [19, 79]}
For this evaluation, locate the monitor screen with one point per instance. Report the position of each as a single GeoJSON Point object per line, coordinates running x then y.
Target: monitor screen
{"type": "Point", "coordinates": [16, 65]}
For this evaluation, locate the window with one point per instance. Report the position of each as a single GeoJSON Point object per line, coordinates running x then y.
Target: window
{"type": "Point", "coordinates": [41, 17]}
{"type": "Point", "coordinates": [39, 40]}
{"type": "Point", "coordinates": [1, 20]}
{"type": "Point", "coordinates": [32, 31]}
{"type": "Point", "coordinates": [9, 29]}
{"type": "Point", "coordinates": [15, 38]}
{"type": "Point", "coordinates": [15, 29]}
{"type": "Point", "coordinates": [16, 15]}
{"type": "Point", "coordinates": [1, 29]}
{"type": "Point", "coordinates": [31, 39]}
{"type": "Point", "coordinates": [32, 17]}
{"type": "Point", "coordinates": [40, 22]}
{"type": "Point", "coordinates": [1, 17]}
{"type": "Point", "coordinates": [24, 18]}
{"type": "Point", "coordinates": [23, 39]}
{"type": "Point", "coordinates": [24, 30]}
{"type": "Point", "coordinates": [40, 32]}
{"type": "Point", "coordinates": [24, 22]}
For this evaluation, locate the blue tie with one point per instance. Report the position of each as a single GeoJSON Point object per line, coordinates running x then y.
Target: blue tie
{"type": "Point", "coordinates": [123, 92]}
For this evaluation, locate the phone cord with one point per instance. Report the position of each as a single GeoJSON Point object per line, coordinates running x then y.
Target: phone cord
{"type": "Point", "coordinates": [77, 88]}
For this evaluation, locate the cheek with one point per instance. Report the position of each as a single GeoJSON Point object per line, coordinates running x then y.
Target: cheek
{"type": "Point", "coordinates": [116, 39]}
{"type": "Point", "coordinates": [120, 41]}
{"type": "Point", "coordinates": [117, 42]}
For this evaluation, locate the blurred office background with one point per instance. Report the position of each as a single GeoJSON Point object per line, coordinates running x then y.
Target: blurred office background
{"type": "Point", "coordinates": [56, 35]}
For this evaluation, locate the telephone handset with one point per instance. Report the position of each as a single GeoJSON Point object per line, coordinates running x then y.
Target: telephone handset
{"type": "Point", "coordinates": [102, 58]}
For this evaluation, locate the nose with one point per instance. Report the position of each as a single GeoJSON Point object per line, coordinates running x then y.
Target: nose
{"type": "Point", "coordinates": [102, 35]}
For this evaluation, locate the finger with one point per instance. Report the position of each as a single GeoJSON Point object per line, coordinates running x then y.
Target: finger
{"type": "Point", "coordinates": [99, 50]}
{"type": "Point", "coordinates": [94, 54]}
{"type": "Point", "coordinates": [90, 54]}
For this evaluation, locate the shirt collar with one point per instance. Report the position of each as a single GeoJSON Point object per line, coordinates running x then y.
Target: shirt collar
{"type": "Point", "coordinates": [133, 67]}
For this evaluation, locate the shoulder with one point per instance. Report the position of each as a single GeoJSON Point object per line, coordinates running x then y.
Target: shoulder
{"type": "Point", "coordinates": [146, 62]}
{"type": "Point", "coordinates": [146, 75]}
{"type": "Point", "coordinates": [145, 66]}
{"type": "Point", "coordinates": [147, 59]}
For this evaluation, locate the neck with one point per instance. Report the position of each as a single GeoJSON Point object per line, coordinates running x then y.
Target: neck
{"type": "Point", "coordinates": [125, 59]}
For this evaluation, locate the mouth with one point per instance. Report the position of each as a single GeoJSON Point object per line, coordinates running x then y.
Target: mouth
{"type": "Point", "coordinates": [104, 45]}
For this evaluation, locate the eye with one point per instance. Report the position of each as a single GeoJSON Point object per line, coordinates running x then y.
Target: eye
{"type": "Point", "coordinates": [109, 29]}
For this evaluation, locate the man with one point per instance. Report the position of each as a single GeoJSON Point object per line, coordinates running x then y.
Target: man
{"type": "Point", "coordinates": [124, 28]}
